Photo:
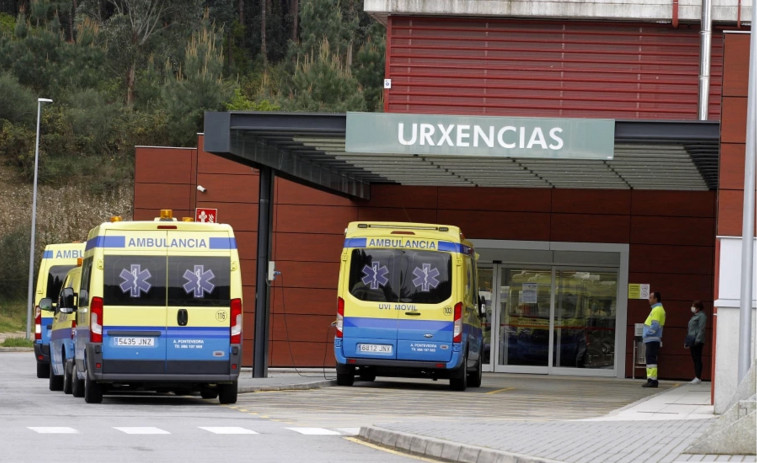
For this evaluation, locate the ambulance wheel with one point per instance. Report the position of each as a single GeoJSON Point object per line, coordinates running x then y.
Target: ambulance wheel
{"type": "Point", "coordinates": [77, 385]}
{"type": "Point", "coordinates": [474, 378]}
{"type": "Point", "coordinates": [458, 380]}
{"type": "Point", "coordinates": [345, 376]}
{"type": "Point", "coordinates": [56, 382]}
{"type": "Point", "coordinates": [67, 373]}
{"type": "Point", "coordinates": [207, 392]}
{"type": "Point", "coordinates": [43, 370]}
{"type": "Point", "coordinates": [93, 393]}
{"type": "Point", "coordinates": [227, 393]}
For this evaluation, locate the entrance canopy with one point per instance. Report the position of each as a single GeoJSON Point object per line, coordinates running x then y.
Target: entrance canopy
{"type": "Point", "coordinates": [310, 148]}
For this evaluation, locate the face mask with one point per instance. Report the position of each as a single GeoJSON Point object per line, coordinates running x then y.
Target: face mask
{"type": "Point", "coordinates": [693, 310]}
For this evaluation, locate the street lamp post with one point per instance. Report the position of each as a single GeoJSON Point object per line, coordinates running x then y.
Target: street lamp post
{"type": "Point", "coordinates": [30, 293]}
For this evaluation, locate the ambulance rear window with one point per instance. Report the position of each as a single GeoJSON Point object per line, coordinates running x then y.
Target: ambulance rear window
{"type": "Point", "coordinates": [176, 280]}
{"type": "Point", "coordinates": [199, 281]}
{"type": "Point", "coordinates": [55, 277]}
{"type": "Point", "coordinates": [395, 275]}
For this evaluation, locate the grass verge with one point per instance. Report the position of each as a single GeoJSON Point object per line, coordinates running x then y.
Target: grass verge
{"type": "Point", "coordinates": [17, 342]}
{"type": "Point", "coordinates": [12, 315]}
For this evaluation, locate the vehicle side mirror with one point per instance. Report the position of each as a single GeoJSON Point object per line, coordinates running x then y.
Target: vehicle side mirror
{"type": "Point", "coordinates": [46, 304]}
{"type": "Point", "coordinates": [481, 307]}
{"type": "Point", "coordinates": [67, 300]}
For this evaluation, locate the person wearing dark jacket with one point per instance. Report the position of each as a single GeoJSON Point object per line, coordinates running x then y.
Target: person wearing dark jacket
{"type": "Point", "coordinates": [695, 338]}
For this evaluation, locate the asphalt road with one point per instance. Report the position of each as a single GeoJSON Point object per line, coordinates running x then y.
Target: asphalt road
{"type": "Point", "coordinates": [37, 424]}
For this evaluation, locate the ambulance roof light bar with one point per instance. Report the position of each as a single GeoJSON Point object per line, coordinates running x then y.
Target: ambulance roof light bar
{"type": "Point", "coordinates": [166, 215]}
{"type": "Point", "coordinates": [415, 227]}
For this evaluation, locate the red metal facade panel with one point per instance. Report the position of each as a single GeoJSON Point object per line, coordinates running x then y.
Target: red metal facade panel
{"type": "Point", "coordinates": [547, 69]}
{"type": "Point", "coordinates": [733, 136]}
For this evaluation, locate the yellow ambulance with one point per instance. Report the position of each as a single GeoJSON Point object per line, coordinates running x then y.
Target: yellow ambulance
{"type": "Point", "coordinates": [63, 326]}
{"type": "Point", "coordinates": [408, 304]}
{"type": "Point", "coordinates": [57, 260]}
{"type": "Point", "coordinates": [160, 309]}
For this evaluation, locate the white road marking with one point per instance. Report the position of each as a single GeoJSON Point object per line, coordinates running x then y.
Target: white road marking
{"type": "Point", "coordinates": [228, 430]}
{"type": "Point", "coordinates": [349, 431]}
{"type": "Point", "coordinates": [315, 431]}
{"type": "Point", "coordinates": [53, 430]}
{"type": "Point", "coordinates": [142, 430]}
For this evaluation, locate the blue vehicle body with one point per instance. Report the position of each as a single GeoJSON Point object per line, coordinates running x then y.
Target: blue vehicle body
{"type": "Point", "coordinates": [57, 260]}
{"type": "Point", "coordinates": [408, 304]}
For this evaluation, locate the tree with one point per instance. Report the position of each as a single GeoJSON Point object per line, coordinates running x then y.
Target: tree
{"type": "Point", "coordinates": [322, 83]}
{"type": "Point", "coordinates": [197, 87]}
{"type": "Point", "coordinates": [134, 27]}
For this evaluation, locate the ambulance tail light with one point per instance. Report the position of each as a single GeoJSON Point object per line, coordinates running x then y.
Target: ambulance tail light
{"type": "Point", "coordinates": [37, 324]}
{"type": "Point", "coordinates": [339, 317]}
{"type": "Point", "coordinates": [236, 321]}
{"type": "Point", "coordinates": [73, 329]}
{"type": "Point", "coordinates": [457, 333]}
{"type": "Point", "coordinates": [96, 320]}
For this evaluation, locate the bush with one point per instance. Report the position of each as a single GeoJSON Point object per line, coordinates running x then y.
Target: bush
{"type": "Point", "coordinates": [14, 264]}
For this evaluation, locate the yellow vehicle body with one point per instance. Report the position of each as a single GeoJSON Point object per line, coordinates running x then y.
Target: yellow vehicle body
{"type": "Point", "coordinates": [160, 308]}
{"type": "Point", "coordinates": [61, 337]}
{"type": "Point", "coordinates": [57, 260]}
{"type": "Point", "coordinates": [408, 304]}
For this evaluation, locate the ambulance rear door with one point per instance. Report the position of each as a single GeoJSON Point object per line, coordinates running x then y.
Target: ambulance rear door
{"type": "Point", "coordinates": [134, 302]}
{"type": "Point", "coordinates": [425, 311]}
{"type": "Point", "coordinates": [199, 297]}
{"type": "Point", "coordinates": [370, 319]}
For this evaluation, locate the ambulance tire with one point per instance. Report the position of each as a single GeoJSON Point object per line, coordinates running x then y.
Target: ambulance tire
{"type": "Point", "coordinates": [93, 393]}
{"type": "Point", "coordinates": [43, 370]}
{"type": "Point", "coordinates": [458, 380]}
{"type": "Point", "coordinates": [56, 382]}
{"type": "Point", "coordinates": [227, 393]}
{"type": "Point", "coordinates": [77, 385]}
{"type": "Point", "coordinates": [67, 377]}
{"type": "Point", "coordinates": [475, 377]}
{"type": "Point", "coordinates": [345, 375]}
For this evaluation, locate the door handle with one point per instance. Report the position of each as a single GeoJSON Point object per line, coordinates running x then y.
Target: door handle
{"type": "Point", "coordinates": [182, 317]}
{"type": "Point", "coordinates": [413, 313]}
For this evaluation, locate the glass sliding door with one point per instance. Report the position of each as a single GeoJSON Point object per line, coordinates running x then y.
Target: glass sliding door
{"type": "Point", "coordinates": [540, 319]}
{"type": "Point", "coordinates": [524, 316]}
{"type": "Point", "coordinates": [584, 324]}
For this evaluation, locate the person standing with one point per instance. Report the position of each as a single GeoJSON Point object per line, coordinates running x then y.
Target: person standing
{"type": "Point", "coordinates": [652, 336]}
{"type": "Point", "coordinates": [695, 338]}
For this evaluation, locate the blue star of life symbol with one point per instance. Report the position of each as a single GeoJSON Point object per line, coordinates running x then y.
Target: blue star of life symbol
{"type": "Point", "coordinates": [198, 282]}
{"type": "Point", "coordinates": [135, 280]}
{"type": "Point", "coordinates": [425, 277]}
{"type": "Point", "coordinates": [375, 275]}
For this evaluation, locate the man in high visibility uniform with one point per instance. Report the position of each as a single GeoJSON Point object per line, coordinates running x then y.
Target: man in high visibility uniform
{"type": "Point", "coordinates": [652, 337]}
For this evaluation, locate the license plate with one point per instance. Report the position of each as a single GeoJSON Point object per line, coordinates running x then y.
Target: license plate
{"type": "Point", "coordinates": [135, 341]}
{"type": "Point", "coordinates": [380, 348]}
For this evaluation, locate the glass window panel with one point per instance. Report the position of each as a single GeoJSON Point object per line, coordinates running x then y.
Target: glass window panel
{"type": "Point", "coordinates": [585, 311]}
{"type": "Point", "coordinates": [394, 275]}
{"type": "Point", "coordinates": [524, 317]}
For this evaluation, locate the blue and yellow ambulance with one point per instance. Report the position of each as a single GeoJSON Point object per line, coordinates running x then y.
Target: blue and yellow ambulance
{"type": "Point", "coordinates": [57, 260]}
{"type": "Point", "coordinates": [62, 333]}
{"type": "Point", "coordinates": [160, 308]}
{"type": "Point", "coordinates": [408, 304]}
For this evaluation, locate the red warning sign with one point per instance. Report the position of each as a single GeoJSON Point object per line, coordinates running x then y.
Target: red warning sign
{"type": "Point", "coordinates": [206, 214]}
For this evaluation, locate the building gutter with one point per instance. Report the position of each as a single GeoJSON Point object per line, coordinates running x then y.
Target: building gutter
{"type": "Point", "coordinates": [674, 14]}
{"type": "Point", "coordinates": [705, 57]}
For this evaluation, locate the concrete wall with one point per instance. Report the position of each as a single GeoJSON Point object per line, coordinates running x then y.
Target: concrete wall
{"type": "Point", "coordinates": [644, 10]}
{"type": "Point", "coordinates": [727, 323]}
